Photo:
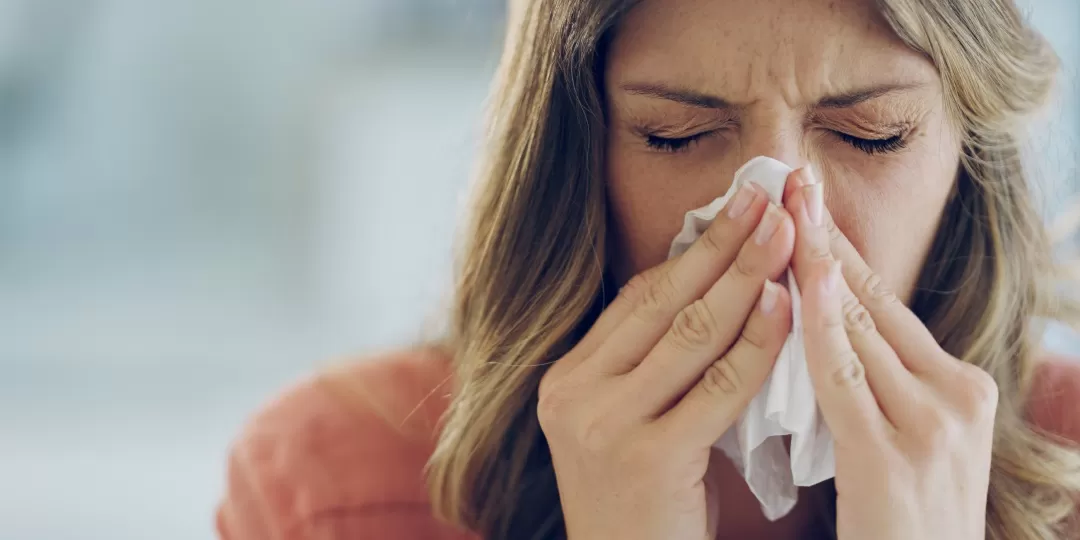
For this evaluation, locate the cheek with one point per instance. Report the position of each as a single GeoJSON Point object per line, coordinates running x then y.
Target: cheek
{"type": "Point", "coordinates": [645, 214]}
{"type": "Point", "coordinates": [892, 216]}
{"type": "Point", "coordinates": [648, 196]}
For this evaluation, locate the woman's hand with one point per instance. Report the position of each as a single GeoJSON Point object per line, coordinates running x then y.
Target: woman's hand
{"type": "Point", "coordinates": [630, 414]}
{"type": "Point", "coordinates": [913, 426]}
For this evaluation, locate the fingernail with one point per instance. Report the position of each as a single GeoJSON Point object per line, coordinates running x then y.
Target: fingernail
{"type": "Point", "coordinates": [814, 200]}
{"type": "Point", "coordinates": [768, 297]}
{"type": "Point", "coordinates": [806, 176]}
{"type": "Point", "coordinates": [769, 223]}
{"type": "Point", "coordinates": [833, 278]}
{"type": "Point", "coordinates": [741, 202]}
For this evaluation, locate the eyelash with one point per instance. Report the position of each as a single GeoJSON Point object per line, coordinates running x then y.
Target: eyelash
{"type": "Point", "coordinates": [869, 146]}
{"type": "Point", "coordinates": [875, 146]}
{"type": "Point", "coordinates": [665, 144]}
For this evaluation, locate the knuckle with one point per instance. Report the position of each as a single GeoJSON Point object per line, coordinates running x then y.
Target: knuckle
{"type": "Point", "coordinates": [978, 394]}
{"type": "Point", "coordinates": [560, 409]}
{"type": "Point", "coordinates": [856, 318]}
{"type": "Point", "coordinates": [635, 288]}
{"type": "Point", "coordinates": [685, 502]}
{"type": "Point", "coordinates": [820, 251]}
{"type": "Point", "coordinates": [848, 371]}
{"type": "Point", "coordinates": [547, 383]}
{"type": "Point", "coordinates": [834, 232]}
{"type": "Point", "coordinates": [694, 327]}
{"type": "Point", "coordinates": [934, 430]}
{"type": "Point", "coordinates": [594, 435]}
{"type": "Point", "coordinates": [874, 288]}
{"type": "Point", "coordinates": [753, 336]}
{"type": "Point", "coordinates": [554, 405]}
{"type": "Point", "coordinates": [555, 374]}
{"type": "Point", "coordinates": [713, 240]}
{"type": "Point", "coordinates": [550, 406]}
{"type": "Point", "coordinates": [832, 322]}
{"type": "Point", "coordinates": [659, 294]}
{"type": "Point", "coordinates": [744, 265]}
{"type": "Point", "coordinates": [721, 379]}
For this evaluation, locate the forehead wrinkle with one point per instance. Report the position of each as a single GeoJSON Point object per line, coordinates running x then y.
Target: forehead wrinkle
{"type": "Point", "coordinates": [703, 45]}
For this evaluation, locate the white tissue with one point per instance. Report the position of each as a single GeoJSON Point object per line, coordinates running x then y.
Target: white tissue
{"type": "Point", "coordinates": [786, 404]}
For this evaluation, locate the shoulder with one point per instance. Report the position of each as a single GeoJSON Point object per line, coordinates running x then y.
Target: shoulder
{"type": "Point", "coordinates": [347, 448]}
{"type": "Point", "coordinates": [1054, 403]}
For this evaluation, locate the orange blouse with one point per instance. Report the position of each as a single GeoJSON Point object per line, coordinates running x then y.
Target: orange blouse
{"type": "Point", "coordinates": [342, 457]}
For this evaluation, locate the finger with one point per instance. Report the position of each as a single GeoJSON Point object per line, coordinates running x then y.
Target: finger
{"type": "Point", "coordinates": [899, 326]}
{"type": "Point", "coordinates": [705, 329]}
{"type": "Point", "coordinates": [727, 385]}
{"type": "Point", "coordinates": [890, 381]}
{"type": "Point", "coordinates": [660, 296]}
{"type": "Point", "coordinates": [846, 401]}
{"type": "Point", "coordinates": [793, 183]}
{"type": "Point", "coordinates": [608, 320]}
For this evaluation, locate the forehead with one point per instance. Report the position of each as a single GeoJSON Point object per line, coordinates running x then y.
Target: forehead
{"type": "Point", "coordinates": [747, 49]}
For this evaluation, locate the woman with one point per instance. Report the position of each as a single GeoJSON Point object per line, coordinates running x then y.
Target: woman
{"type": "Point", "coordinates": [558, 409]}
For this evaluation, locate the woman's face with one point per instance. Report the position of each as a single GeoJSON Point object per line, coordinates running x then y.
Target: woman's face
{"type": "Point", "coordinates": [695, 88]}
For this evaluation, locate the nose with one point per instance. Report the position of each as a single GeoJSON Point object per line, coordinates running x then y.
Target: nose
{"type": "Point", "coordinates": [776, 137]}
{"type": "Point", "coordinates": [779, 140]}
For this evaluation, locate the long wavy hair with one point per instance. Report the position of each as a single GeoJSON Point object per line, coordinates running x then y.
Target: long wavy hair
{"type": "Point", "coordinates": [531, 277]}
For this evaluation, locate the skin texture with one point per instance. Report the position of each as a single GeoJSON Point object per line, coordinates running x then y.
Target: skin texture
{"type": "Point", "coordinates": [631, 412]}
{"type": "Point", "coordinates": [773, 61]}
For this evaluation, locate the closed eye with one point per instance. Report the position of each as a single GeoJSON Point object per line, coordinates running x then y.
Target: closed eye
{"type": "Point", "coordinates": [673, 144]}
{"type": "Point", "coordinates": [869, 146]}
{"type": "Point", "coordinates": [875, 146]}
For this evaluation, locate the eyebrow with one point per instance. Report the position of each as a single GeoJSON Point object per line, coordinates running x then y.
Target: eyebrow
{"type": "Point", "coordinates": [858, 96]}
{"type": "Point", "coordinates": [686, 97]}
{"type": "Point", "coordinates": [707, 101]}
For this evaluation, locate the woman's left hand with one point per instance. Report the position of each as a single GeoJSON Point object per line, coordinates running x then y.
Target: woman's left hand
{"type": "Point", "coordinates": [913, 426]}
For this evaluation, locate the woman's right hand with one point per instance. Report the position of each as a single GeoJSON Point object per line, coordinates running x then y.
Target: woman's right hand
{"type": "Point", "coordinates": [631, 413]}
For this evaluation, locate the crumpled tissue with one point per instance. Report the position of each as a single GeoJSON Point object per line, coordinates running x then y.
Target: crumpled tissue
{"type": "Point", "coordinates": [785, 405]}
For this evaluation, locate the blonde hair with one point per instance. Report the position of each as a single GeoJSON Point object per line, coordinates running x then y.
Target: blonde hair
{"type": "Point", "coordinates": [533, 274]}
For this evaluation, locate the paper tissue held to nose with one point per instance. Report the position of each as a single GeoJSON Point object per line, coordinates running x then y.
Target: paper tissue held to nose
{"type": "Point", "coordinates": [785, 405]}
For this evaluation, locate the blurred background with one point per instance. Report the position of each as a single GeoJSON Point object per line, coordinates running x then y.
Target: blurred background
{"type": "Point", "coordinates": [202, 201]}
